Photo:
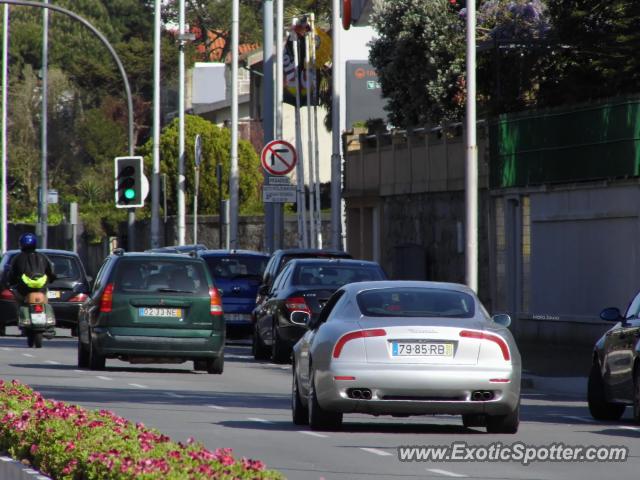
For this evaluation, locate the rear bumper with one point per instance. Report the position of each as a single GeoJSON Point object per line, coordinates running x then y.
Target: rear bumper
{"type": "Point", "coordinates": [202, 344]}
{"type": "Point", "coordinates": [66, 313]}
{"type": "Point", "coordinates": [418, 391]}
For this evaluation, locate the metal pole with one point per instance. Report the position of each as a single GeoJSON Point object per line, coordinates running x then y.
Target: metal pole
{"type": "Point", "coordinates": [278, 213]}
{"type": "Point", "coordinates": [195, 205]}
{"type": "Point", "coordinates": [155, 173]}
{"type": "Point", "coordinates": [267, 110]}
{"type": "Point", "coordinates": [164, 196]}
{"type": "Point", "coordinates": [318, 212]}
{"type": "Point", "coordinates": [181, 178]}
{"type": "Point", "coordinates": [220, 202]}
{"type": "Point", "coordinates": [336, 167]}
{"type": "Point", "coordinates": [5, 88]}
{"type": "Point", "coordinates": [43, 131]}
{"type": "Point", "coordinates": [233, 177]}
{"type": "Point", "coordinates": [471, 192]}
{"type": "Point", "coordinates": [303, 240]}
{"type": "Point", "coordinates": [310, 147]}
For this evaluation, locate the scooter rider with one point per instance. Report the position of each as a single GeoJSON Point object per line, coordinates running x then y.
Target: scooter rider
{"type": "Point", "coordinates": [30, 271]}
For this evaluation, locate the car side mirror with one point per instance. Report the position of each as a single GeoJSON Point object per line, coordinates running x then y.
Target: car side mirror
{"type": "Point", "coordinates": [611, 314]}
{"type": "Point", "coordinates": [502, 319]}
{"type": "Point", "coordinates": [301, 318]}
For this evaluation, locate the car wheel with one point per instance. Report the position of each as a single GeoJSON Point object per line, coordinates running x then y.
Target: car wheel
{"type": "Point", "coordinates": [599, 408]}
{"type": "Point", "coordinates": [320, 419]}
{"type": "Point", "coordinates": [83, 355]}
{"type": "Point", "coordinates": [279, 352]}
{"type": "Point", "coordinates": [96, 361]}
{"type": "Point", "coordinates": [636, 394]}
{"type": "Point", "coordinates": [200, 365]}
{"type": "Point", "coordinates": [216, 366]}
{"type": "Point", "coordinates": [504, 423]}
{"type": "Point", "coordinates": [299, 412]}
{"type": "Point", "coordinates": [259, 350]}
{"type": "Point", "coordinates": [474, 420]}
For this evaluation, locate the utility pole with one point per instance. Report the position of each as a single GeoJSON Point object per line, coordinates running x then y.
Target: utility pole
{"type": "Point", "coordinates": [303, 239]}
{"type": "Point", "coordinates": [234, 203]}
{"type": "Point", "coordinates": [471, 191]}
{"type": "Point", "coordinates": [267, 110]}
{"type": "Point", "coordinates": [313, 239]}
{"type": "Point", "coordinates": [278, 211]}
{"type": "Point", "coordinates": [155, 169]}
{"type": "Point", "coordinates": [44, 221]}
{"type": "Point", "coordinates": [5, 88]}
{"type": "Point", "coordinates": [181, 178]}
{"type": "Point", "coordinates": [336, 164]}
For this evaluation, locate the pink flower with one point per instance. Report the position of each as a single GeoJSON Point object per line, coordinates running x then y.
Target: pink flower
{"type": "Point", "coordinates": [253, 465]}
{"type": "Point", "coordinates": [70, 447]}
{"type": "Point", "coordinates": [33, 449]}
{"type": "Point", "coordinates": [70, 467]}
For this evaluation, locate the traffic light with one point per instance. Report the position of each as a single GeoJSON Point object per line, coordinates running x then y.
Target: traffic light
{"type": "Point", "coordinates": [128, 184]}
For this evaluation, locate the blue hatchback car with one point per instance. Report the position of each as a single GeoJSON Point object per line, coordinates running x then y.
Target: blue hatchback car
{"type": "Point", "coordinates": [237, 274]}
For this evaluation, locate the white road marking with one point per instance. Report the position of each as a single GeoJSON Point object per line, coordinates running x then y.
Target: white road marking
{"type": "Point", "coordinates": [313, 434]}
{"type": "Point", "coordinates": [261, 420]}
{"type": "Point", "coordinates": [28, 355]}
{"type": "Point", "coordinates": [375, 451]}
{"type": "Point", "coordinates": [52, 362]}
{"type": "Point", "coordinates": [174, 395]}
{"type": "Point", "coordinates": [285, 367]}
{"type": "Point", "coordinates": [6, 349]}
{"type": "Point", "coordinates": [104, 378]}
{"type": "Point", "coordinates": [137, 385]}
{"type": "Point", "coordinates": [242, 357]}
{"type": "Point", "coordinates": [445, 472]}
{"type": "Point", "coordinates": [6, 459]}
{"type": "Point", "coordinates": [217, 407]}
{"type": "Point", "coordinates": [629, 427]}
{"type": "Point", "coordinates": [580, 419]}
{"type": "Point", "coordinates": [79, 371]}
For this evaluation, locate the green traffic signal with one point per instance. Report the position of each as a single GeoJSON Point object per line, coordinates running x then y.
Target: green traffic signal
{"type": "Point", "coordinates": [129, 194]}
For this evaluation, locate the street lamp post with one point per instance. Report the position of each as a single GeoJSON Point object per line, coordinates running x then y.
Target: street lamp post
{"type": "Point", "coordinates": [155, 169]}
{"type": "Point", "coordinates": [234, 204]}
{"type": "Point", "coordinates": [5, 88]}
{"type": "Point", "coordinates": [471, 190]}
{"type": "Point", "coordinates": [43, 131]}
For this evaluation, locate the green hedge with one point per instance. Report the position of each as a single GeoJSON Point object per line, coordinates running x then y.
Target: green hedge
{"type": "Point", "coordinates": [68, 442]}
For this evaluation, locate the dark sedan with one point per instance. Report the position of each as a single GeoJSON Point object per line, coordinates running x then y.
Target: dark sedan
{"type": "Point", "coordinates": [614, 381]}
{"type": "Point", "coordinates": [66, 294]}
{"type": "Point", "coordinates": [303, 285]}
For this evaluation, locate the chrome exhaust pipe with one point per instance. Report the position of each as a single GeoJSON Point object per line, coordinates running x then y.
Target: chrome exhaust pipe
{"type": "Point", "coordinates": [356, 393]}
{"type": "Point", "coordinates": [476, 396]}
{"type": "Point", "coordinates": [487, 395]}
{"type": "Point", "coordinates": [366, 394]}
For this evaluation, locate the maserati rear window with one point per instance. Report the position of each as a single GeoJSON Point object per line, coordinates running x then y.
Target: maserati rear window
{"type": "Point", "coordinates": [416, 302]}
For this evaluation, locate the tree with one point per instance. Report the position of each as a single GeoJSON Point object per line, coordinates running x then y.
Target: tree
{"type": "Point", "coordinates": [419, 57]}
{"type": "Point", "coordinates": [216, 147]}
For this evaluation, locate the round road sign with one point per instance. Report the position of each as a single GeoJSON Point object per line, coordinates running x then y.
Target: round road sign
{"type": "Point", "coordinates": [278, 157]}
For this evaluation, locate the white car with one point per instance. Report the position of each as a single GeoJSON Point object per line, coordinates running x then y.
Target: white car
{"type": "Point", "coordinates": [406, 348]}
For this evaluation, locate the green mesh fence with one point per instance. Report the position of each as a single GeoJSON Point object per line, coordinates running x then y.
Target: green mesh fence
{"type": "Point", "coordinates": [582, 143]}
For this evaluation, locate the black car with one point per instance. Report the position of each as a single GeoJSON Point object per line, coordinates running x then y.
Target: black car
{"type": "Point", "coordinates": [66, 294]}
{"type": "Point", "coordinates": [279, 259]}
{"type": "Point", "coordinates": [303, 285]}
{"type": "Point", "coordinates": [178, 248]}
{"type": "Point", "coordinates": [614, 381]}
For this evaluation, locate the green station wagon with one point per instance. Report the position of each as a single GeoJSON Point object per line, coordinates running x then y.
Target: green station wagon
{"type": "Point", "coordinates": [152, 308]}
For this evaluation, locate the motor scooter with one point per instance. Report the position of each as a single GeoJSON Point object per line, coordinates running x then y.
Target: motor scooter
{"type": "Point", "coordinates": [36, 319]}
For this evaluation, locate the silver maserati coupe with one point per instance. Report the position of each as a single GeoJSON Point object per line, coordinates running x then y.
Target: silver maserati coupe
{"type": "Point", "coordinates": [406, 348]}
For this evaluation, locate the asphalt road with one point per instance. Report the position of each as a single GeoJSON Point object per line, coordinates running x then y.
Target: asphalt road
{"type": "Point", "coordinates": [247, 409]}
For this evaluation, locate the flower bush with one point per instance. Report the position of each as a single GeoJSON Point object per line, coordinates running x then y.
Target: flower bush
{"type": "Point", "coordinates": [68, 442]}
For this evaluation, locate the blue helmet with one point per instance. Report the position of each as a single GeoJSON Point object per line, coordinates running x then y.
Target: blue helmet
{"type": "Point", "coordinates": [28, 241]}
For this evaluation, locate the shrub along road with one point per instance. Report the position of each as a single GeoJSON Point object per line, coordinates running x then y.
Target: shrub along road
{"type": "Point", "coordinates": [247, 409]}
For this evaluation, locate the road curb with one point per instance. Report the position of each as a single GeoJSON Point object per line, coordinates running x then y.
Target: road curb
{"type": "Point", "coordinates": [11, 469]}
{"type": "Point", "coordinates": [574, 387]}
